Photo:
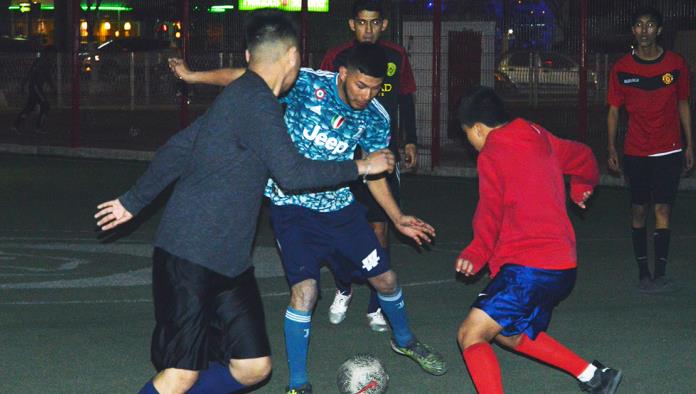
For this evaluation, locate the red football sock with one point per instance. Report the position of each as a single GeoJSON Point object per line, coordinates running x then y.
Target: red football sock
{"type": "Point", "coordinates": [546, 349]}
{"type": "Point", "coordinates": [484, 368]}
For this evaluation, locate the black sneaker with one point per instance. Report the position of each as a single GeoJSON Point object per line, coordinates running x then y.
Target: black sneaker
{"type": "Point", "coordinates": [605, 380]}
{"type": "Point", "coordinates": [305, 389]}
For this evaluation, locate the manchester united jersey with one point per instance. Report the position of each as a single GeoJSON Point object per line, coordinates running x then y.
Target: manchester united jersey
{"type": "Point", "coordinates": [650, 90]}
{"type": "Point", "coordinates": [324, 127]}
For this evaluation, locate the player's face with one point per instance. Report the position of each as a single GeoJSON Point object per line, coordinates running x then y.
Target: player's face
{"type": "Point", "coordinates": [292, 65]}
{"type": "Point", "coordinates": [475, 137]}
{"type": "Point", "coordinates": [357, 89]}
{"type": "Point", "coordinates": [645, 31]}
{"type": "Point", "coordinates": [368, 26]}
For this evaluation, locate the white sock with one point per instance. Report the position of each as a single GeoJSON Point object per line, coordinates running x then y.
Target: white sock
{"type": "Point", "coordinates": [587, 374]}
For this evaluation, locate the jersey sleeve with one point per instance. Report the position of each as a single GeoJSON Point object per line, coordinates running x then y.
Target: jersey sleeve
{"type": "Point", "coordinates": [684, 83]}
{"type": "Point", "coordinates": [488, 217]}
{"type": "Point", "coordinates": [328, 62]}
{"type": "Point", "coordinates": [577, 161]}
{"type": "Point", "coordinates": [615, 95]}
{"type": "Point", "coordinates": [407, 83]}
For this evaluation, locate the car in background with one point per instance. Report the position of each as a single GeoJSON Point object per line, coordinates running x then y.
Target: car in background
{"type": "Point", "coordinates": [112, 58]}
{"type": "Point", "coordinates": [546, 71]}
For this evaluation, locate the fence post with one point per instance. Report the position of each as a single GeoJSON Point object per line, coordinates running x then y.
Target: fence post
{"type": "Point", "coordinates": [185, 32]}
{"type": "Point", "coordinates": [303, 34]}
{"type": "Point", "coordinates": [59, 79]}
{"type": "Point", "coordinates": [75, 113]}
{"type": "Point", "coordinates": [435, 94]}
{"type": "Point", "coordinates": [147, 77]}
{"type": "Point", "coordinates": [582, 78]}
{"type": "Point", "coordinates": [131, 77]}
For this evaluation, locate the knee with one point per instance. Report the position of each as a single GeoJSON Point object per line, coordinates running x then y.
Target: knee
{"type": "Point", "coordinates": [385, 283]}
{"type": "Point", "coordinates": [175, 380]}
{"type": "Point", "coordinates": [639, 213]}
{"type": "Point", "coordinates": [304, 295]}
{"type": "Point", "coordinates": [251, 372]}
{"type": "Point", "coordinates": [662, 211]}
{"type": "Point", "coordinates": [469, 335]}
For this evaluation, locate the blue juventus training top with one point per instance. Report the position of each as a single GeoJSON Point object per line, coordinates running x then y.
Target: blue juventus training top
{"type": "Point", "coordinates": [324, 127]}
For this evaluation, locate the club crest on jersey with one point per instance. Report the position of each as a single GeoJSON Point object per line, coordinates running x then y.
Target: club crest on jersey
{"type": "Point", "coordinates": [337, 121]}
{"type": "Point", "coordinates": [668, 78]}
{"type": "Point", "coordinates": [320, 93]}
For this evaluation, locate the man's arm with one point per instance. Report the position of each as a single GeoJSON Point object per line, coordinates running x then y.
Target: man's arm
{"type": "Point", "coordinates": [488, 219]}
{"type": "Point", "coordinates": [411, 226]}
{"type": "Point", "coordinates": [219, 77]}
{"type": "Point", "coordinates": [612, 126]}
{"type": "Point", "coordinates": [578, 161]}
{"type": "Point", "coordinates": [685, 118]}
{"type": "Point", "coordinates": [407, 117]}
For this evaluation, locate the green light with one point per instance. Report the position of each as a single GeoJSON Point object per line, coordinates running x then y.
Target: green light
{"type": "Point", "coordinates": [220, 8]}
{"type": "Point", "coordinates": [49, 7]}
{"type": "Point", "coordinates": [285, 5]}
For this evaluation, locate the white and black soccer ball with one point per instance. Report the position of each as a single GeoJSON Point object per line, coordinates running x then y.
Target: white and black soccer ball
{"type": "Point", "coordinates": [363, 374]}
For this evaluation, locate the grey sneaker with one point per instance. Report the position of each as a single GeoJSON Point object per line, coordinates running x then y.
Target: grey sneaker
{"type": "Point", "coordinates": [431, 361]}
{"type": "Point", "coordinates": [662, 284]}
{"type": "Point", "coordinates": [646, 285]}
{"type": "Point", "coordinates": [339, 307]}
{"type": "Point", "coordinates": [605, 380]}
{"type": "Point", "coordinates": [377, 322]}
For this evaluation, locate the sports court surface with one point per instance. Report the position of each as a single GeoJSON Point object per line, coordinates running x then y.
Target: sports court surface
{"type": "Point", "coordinates": [76, 316]}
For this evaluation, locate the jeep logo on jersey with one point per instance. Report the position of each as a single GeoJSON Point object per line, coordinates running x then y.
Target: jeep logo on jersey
{"type": "Point", "coordinates": [668, 79]}
{"type": "Point", "coordinates": [391, 69]}
{"type": "Point", "coordinates": [337, 121]}
{"type": "Point", "coordinates": [322, 139]}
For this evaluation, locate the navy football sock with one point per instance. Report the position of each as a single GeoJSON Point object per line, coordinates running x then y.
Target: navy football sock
{"type": "Point", "coordinates": [661, 236]}
{"type": "Point", "coordinates": [149, 388]}
{"type": "Point", "coordinates": [374, 303]}
{"type": "Point", "coordinates": [216, 379]}
{"type": "Point", "coordinates": [640, 250]}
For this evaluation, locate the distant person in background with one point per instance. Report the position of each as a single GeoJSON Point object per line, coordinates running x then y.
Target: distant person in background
{"type": "Point", "coordinates": [368, 22]}
{"type": "Point", "coordinates": [653, 84]}
{"type": "Point", "coordinates": [40, 74]}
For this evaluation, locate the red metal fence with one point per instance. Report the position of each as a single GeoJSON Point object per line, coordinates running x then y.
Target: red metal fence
{"type": "Point", "coordinates": [549, 59]}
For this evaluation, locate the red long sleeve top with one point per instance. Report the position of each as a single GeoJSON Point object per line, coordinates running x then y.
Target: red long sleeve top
{"type": "Point", "coordinates": [521, 215]}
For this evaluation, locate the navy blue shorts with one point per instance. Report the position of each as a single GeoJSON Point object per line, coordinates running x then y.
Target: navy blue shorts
{"type": "Point", "coordinates": [654, 179]}
{"type": "Point", "coordinates": [521, 299]}
{"type": "Point", "coordinates": [204, 316]}
{"type": "Point", "coordinates": [306, 238]}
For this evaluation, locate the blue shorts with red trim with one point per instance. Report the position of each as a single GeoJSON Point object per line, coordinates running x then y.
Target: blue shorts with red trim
{"type": "Point", "coordinates": [521, 298]}
{"type": "Point", "coordinates": [308, 238]}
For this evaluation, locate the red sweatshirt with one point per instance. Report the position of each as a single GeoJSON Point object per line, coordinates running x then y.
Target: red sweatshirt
{"type": "Point", "coordinates": [521, 215]}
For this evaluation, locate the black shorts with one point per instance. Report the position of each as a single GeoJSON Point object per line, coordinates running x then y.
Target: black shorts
{"type": "Point", "coordinates": [654, 178]}
{"type": "Point", "coordinates": [362, 194]}
{"type": "Point", "coordinates": [204, 316]}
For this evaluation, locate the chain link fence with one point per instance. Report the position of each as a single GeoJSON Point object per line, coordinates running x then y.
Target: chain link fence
{"type": "Point", "coordinates": [529, 50]}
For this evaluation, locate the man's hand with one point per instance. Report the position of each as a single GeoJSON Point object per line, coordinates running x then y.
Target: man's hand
{"type": "Point", "coordinates": [414, 228]}
{"type": "Point", "coordinates": [585, 196]}
{"type": "Point", "coordinates": [613, 159]}
{"type": "Point", "coordinates": [377, 162]}
{"type": "Point", "coordinates": [410, 156]}
{"type": "Point", "coordinates": [111, 214]}
{"type": "Point", "coordinates": [180, 69]}
{"type": "Point", "coordinates": [464, 266]}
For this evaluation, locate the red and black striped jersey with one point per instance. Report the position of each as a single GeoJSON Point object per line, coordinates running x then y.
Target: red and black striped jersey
{"type": "Point", "coordinates": [650, 90]}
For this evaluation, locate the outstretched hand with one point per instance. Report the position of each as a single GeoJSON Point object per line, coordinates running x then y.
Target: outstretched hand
{"type": "Point", "coordinates": [111, 214]}
{"type": "Point", "coordinates": [464, 267]}
{"type": "Point", "coordinates": [179, 68]}
{"type": "Point", "coordinates": [416, 229]}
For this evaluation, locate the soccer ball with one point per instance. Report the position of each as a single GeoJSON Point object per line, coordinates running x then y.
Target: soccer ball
{"type": "Point", "coordinates": [362, 374]}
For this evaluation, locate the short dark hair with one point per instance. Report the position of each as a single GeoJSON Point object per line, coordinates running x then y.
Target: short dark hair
{"type": "Point", "coordinates": [649, 11]}
{"type": "Point", "coordinates": [266, 26]}
{"type": "Point", "coordinates": [368, 5]}
{"type": "Point", "coordinates": [368, 58]}
{"type": "Point", "coordinates": [482, 105]}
